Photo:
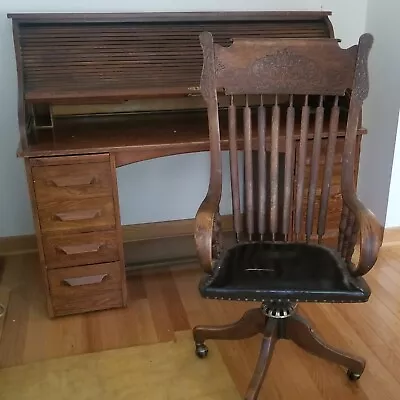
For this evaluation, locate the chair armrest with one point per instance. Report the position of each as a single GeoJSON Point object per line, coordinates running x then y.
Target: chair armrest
{"type": "Point", "coordinates": [206, 225]}
{"type": "Point", "coordinates": [370, 234]}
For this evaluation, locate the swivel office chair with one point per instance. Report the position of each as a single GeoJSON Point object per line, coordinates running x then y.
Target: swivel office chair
{"type": "Point", "coordinates": [282, 256]}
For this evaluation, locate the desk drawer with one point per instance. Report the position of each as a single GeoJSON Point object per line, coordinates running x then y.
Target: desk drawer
{"type": "Point", "coordinates": [78, 215]}
{"type": "Point", "coordinates": [69, 182]}
{"type": "Point", "coordinates": [86, 288]}
{"type": "Point", "coordinates": [81, 304]}
{"type": "Point", "coordinates": [80, 249]}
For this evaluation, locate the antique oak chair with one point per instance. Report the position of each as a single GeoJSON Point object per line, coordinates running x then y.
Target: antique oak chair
{"type": "Point", "coordinates": [279, 258]}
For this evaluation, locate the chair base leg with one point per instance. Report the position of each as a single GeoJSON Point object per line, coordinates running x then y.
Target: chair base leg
{"type": "Point", "coordinates": [252, 323]}
{"type": "Point", "coordinates": [294, 328]}
{"type": "Point", "coordinates": [300, 332]}
{"type": "Point", "coordinates": [264, 359]}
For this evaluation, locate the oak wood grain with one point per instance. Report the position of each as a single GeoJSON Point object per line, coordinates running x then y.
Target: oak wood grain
{"type": "Point", "coordinates": [328, 168]}
{"type": "Point", "coordinates": [118, 226]}
{"type": "Point", "coordinates": [80, 249]}
{"type": "Point", "coordinates": [86, 288]}
{"type": "Point", "coordinates": [262, 169]}
{"type": "Point", "coordinates": [35, 212]}
{"type": "Point", "coordinates": [233, 159]}
{"type": "Point", "coordinates": [300, 167]}
{"type": "Point", "coordinates": [248, 170]}
{"type": "Point", "coordinates": [88, 57]}
{"type": "Point", "coordinates": [78, 215]}
{"type": "Point", "coordinates": [143, 136]}
{"type": "Point", "coordinates": [69, 160]}
{"type": "Point", "coordinates": [289, 161]}
{"type": "Point", "coordinates": [66, 182]}
{"type": "Point", "coordinates": [59, 279]}
{"type": "Point", "coordinates": [274, 169]}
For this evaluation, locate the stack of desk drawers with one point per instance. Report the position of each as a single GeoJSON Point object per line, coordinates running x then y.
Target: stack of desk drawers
{"type": "Point", "coordinates": [80, 241]}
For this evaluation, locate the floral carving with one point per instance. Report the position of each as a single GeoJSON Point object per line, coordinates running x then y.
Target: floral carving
{"type": "Point", "coordinates": [284, 67]}
{"type": "Point", "coordinates": [285, 71]}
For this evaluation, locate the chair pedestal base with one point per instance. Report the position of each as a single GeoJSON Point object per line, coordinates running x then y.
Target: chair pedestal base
{"type": "Point", "coordinates": [293, 327]}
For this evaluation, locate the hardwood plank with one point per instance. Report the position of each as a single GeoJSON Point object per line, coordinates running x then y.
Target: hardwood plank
{"type": "Point", "coordinates": [174, 304]}
{"type": "Point", "coordinates": [159, 310]}
{"type": "Point", "coordinates": [186, 280]}
{"type": "Point", "coordinates": [391, 237]}
{"type": "Point", "coordinates": [121, 328]}
{"type": "Point", "coordinates": [318, 377]}
{"type": "Point", "coordinates": [378, 380]}
{"type": "Point", "coordinates": [14, 334]}
{"type": "Point", "coordinates": [12, 343]}
{"type": "Point", "coordinates": [64, 336]}
{"type": "Point", "coordinates": [135, 287]}
{"type": "Point", "coordinates": [287, 359]}
{"type": "Point", "coordinates": [162, 302]}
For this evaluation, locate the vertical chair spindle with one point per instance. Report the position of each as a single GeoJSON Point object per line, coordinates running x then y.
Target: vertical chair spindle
{"type": "Point", "coordinates": [233, 159]}
{"type": "Point", "coordinates": [305, 118]}
{"type": "Point", "coordinates": [290, 114]}
{"type": "Point", "coordinates": [262, 172]}
{"type": "Point", "coordinates": [328, 168]}
{"type": "Point", "coordinates": [316, 151]}
{"type": "Point", "coordinates": [274, 167]}
{"type": "Point", "coordinates": [248, 169]}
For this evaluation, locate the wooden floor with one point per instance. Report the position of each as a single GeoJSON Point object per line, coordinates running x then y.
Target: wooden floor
{"type": "Point", "coordinates": [164, 302]}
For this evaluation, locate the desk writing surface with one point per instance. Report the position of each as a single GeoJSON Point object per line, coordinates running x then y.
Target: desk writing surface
{"type": "Point", "coordinates": [175, 132]}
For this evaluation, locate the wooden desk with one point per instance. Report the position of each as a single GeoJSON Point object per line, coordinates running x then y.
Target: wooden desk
{"type": "Point", "coordinates": [98, 91]}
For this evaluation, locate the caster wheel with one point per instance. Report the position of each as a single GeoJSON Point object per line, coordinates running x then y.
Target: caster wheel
{"type": "Point", "coordinates": [353, 376]}
{"type": "Point", "coordinates": [201, 350]}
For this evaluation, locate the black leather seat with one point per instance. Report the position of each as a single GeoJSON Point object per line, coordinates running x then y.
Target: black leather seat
{"type": "Point", "coordinates": [292, 271]}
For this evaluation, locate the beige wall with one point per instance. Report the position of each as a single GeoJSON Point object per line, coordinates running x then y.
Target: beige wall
{"type": "Point", "coordinates": [381, 114]}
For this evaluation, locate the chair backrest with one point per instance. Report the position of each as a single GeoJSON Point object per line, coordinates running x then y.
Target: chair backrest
{"type": "Point", "coordinates": [286, 190]}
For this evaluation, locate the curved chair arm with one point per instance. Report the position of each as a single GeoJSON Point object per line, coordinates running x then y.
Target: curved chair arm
{"type": "Point", "coordinates": [370, 234]}
{"type": "Point", "coordinates": [207, 218]}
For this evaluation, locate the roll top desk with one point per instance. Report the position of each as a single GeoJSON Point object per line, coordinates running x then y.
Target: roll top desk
{"type": "Point", "coordinates": [98, 91]}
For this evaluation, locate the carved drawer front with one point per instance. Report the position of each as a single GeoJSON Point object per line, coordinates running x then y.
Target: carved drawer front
{"type": "Point", "coordinates": [86, 288]}
{"type": "Point", "coordinates": [70, 182]}
{"type": "Point", "coordinates": [78, 215]}
{"type": "Point", "coordinates": [80, 249]}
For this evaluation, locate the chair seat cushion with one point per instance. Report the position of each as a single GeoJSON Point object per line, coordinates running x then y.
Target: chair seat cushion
{"type": "Point", "coordinates": [264, 271]}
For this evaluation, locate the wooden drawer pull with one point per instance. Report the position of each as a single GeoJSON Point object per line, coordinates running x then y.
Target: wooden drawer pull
{"type": "Point", "coordinates": [85, 280]}
{"type": "Point", "coordinates": [72, 181]}
{"type": "Point", "coordinates": [77, 215]}
{"type": "Point", "coordinates": [80, 249]}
